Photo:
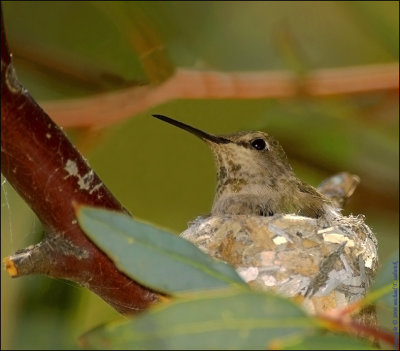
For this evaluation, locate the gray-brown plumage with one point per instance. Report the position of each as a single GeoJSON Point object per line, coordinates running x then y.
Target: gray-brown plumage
{"type": "Point", "coordinates": [254, 177]}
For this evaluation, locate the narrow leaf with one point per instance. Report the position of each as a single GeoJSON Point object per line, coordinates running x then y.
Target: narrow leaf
{"type": "Point", "coordinates": [328, 342]}
{"type": "Point", "coordinates": [154, 257]}
{"type": "Point", "coordinates": [229, 319]}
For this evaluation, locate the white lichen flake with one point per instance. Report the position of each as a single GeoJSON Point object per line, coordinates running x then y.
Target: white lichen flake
{"type": "Point", "coordinates": [248, 273]}
{"type": "Point", "coordinates": [368, 262]}
{"type": "Point", "coordinates": [279, 240]}
{"type": "Point", "coordinates": [269, 280]}
{"type": "Point", "coordinates": [337, 238]}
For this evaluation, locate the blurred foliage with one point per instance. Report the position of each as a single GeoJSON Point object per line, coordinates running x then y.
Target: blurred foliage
{"type": "Point", "coordinates": [385, 289]}
{"type": "Point", "coordinates": [153, 257]}
{"type": "Point", "coordinates": [209, 306]}
{"type": "Point", "coordinates": [68, 49]}
{"type": "Point", "coordinates": [229, 319]}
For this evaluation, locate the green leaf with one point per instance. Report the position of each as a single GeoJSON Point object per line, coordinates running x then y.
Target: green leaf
{"type": "Point", "coordinates": [386, 286]}
{"type": "Point", "coordinates": [330, 342]}
{"type": "Point", "coordinates": [229, 319]}
{"type": "Point", "coordinates": [154, 257]}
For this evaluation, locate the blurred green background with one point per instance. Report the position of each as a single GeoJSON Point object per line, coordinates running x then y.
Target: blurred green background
{"type": "Point", "coordinates": [167, 177]}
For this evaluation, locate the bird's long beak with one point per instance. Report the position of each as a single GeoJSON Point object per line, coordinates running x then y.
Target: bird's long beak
{"type": "Point", "coordinates": [203, 135]}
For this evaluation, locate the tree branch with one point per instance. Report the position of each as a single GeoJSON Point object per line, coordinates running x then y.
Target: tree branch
{"type": "Point", "coordinates": [49, 173]}
{"type": "Point", "coordinates": [99, 110]}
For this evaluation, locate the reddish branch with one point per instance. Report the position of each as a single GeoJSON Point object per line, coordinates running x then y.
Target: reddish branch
{"type": "Point", "coordinates": [345, 324]}
{"type": "Point", "coordinates": [107, 108]}
{"type": "Point", "coordinates": [49, 173]}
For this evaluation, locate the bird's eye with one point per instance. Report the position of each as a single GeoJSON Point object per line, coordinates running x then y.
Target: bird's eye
{"type": "Point", "coordinates": [259, 144]}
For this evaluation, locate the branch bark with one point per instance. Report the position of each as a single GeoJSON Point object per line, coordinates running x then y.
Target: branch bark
{"type": "Point", "coordinates": [50, 174]}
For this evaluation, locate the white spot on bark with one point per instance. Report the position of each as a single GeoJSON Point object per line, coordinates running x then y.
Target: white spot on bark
{"type": "Point", "coordinates": [48, 135]}
{"type": "Point", "coordinates": [96, 187]}
{"type": "Point", "coordinates": [12, 81]}
{"type": "Point", "coordinates": [85, 182]}
{"type": "Point", "coordinates": [71, 168]}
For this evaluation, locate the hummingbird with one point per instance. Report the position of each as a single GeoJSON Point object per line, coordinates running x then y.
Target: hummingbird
{"type": "Point", "coordinates": [254, 177]}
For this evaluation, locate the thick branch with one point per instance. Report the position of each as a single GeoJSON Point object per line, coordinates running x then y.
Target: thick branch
{"type": "Point", "coordinates": [49, 173]}
{"type": "Point", "coordinates": [100, 110]}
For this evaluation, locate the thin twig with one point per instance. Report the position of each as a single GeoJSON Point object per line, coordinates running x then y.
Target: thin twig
{"type": "Point", "coordinates": [105, 109]}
